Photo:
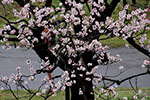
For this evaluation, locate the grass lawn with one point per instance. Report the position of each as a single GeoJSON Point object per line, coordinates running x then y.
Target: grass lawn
{"type": "Point", "coordinates": [6, 95]}
{"type": "Point", "coordinates": [128, 92]}
{"type": "Point", "coordinates": [114, 42]}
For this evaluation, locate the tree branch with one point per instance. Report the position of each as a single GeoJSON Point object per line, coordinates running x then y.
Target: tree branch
{"type": "Point", "coordinates": [22, 2]}
{"type": "Point", "coordinates": [128, 78]}
{"type": "Point", "coordinates": [48, 3]}
{"type": "Point", "coordinates": [139, 48]}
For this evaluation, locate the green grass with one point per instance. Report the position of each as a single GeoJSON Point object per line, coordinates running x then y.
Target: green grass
{"type": "Point", "coordinates": [114, 42]}
{"type": "Point", "coordinates": [23, 95]}
{"type": "Point", "coordinates": [119, 42]}
{"type": "Point", "coordinates": [128, 92]}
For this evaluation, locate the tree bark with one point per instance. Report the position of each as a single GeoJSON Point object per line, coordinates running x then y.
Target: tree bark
{"type": "Point", "coordinates": [67, 93]}
{"type": "Point", "coordinates": [87, 90]}
{"type": "Point", "coordinates": [133, 2]}
{"type": "Point", "coordinates": [138, 47]}
{"type": "Point", "coordinates": [124, 2]}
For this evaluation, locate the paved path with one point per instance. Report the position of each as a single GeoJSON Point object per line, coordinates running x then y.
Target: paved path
{"type": "Point", "coordinates": [132, 60]}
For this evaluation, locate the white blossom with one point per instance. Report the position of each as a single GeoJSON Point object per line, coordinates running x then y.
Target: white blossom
{"type": "Point", "coordinates": [38, 93]}
{"type": "Point", "coordinates": [121, 67]}
{"type": "Point", "coordinates": [125, 98]}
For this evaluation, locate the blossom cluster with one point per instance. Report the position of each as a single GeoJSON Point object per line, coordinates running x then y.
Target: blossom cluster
{"type": "Point", "coordinates": [14, 79]}
{"type": "Point", "coordinates": [136, 22]}
{"type": "Point", "coordinates": [24, 13]}
{"type": "Point", "coordinates": [106, 92]}
{"type": "Point", "coordinates": [69, 35]}
{"type": "Point", "coordinates": [146, 64]}
{"type": "Point", "coordinates": [7, 1]}
{"type": "Point", "coordinates": [140, 95]}
{"type": "Point", "coordinates": [71, 47]}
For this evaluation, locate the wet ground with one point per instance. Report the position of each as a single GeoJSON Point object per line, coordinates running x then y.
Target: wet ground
{"type": "Point", "coordinates": [132, 61]}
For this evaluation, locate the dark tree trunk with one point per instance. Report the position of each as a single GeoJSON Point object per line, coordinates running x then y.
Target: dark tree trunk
{"type": "Point", "coordinates": [87, 90]}
{"type": "Point", "coordinates": [67, 93]}
{"type": "Point", "coordinates": [133, 2]}
{"type": "Point", "coordinates": [124, 2]}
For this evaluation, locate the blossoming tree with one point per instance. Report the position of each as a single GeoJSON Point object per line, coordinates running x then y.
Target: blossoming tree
{"type": "Point", "coordinates": [68, 36]}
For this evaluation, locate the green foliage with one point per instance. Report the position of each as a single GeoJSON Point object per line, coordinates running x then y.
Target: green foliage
{"type": "Point", "coordinates": [143, 3]}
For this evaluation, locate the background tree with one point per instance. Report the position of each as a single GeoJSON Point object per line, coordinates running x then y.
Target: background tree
{"type": "Point", "coordinates": [68, 36]}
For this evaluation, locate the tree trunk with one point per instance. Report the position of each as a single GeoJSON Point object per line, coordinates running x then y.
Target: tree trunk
{"type": "Point", "coordinates": [67, 93]}
{"type": "Point", "coordinates": [133, 2]}
{"type": "Point", "coordinates": [124, 2]}
{"type": "Point", "coordinates": [81, 91]}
